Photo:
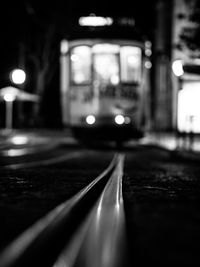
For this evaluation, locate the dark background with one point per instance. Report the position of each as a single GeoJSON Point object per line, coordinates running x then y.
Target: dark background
{"type": "Point", "coordinates": [26, 22]}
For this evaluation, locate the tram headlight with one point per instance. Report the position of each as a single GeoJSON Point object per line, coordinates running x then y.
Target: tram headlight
{"type": "Point", "coordinates": [90, 119]}
{"type": "Point", "coordinates": [119, 119]}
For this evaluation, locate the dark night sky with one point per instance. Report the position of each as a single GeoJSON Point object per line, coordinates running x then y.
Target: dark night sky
{"type": "Point", "coordinates": [16, 13]}
{"type": "Point", "coordinates": [15, 17]}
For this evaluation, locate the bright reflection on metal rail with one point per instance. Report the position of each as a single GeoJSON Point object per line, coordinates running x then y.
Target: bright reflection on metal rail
{"type": "Point", "coordinates": [45, 230]}
{"type": "Point", "coordinates": [103, 243]}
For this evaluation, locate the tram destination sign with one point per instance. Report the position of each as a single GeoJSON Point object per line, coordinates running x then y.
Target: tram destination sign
{"type": "Point", "coordinates": [88, 94]}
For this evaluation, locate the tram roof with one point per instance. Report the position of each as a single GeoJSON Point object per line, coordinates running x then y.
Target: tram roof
{"type": "Point", "coordinates": [105, 32]}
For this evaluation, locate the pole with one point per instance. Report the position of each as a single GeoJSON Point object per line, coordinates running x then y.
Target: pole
{"type": "Point", "coordinates": [9, 115]}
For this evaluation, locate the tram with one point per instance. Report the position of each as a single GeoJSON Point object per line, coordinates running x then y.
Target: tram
{"type": "Point", "coordinates": [105, 84]}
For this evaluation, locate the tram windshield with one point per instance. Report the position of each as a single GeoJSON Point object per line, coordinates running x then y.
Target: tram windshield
{"type": "Point", "coordinates": [131, 64]}
{"type": "Point", "coordinates": [81, 65]}
{"type": "Point", "coordinates": [106, 63]}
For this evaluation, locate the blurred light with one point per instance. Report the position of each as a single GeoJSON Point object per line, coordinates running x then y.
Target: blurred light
{"type": "Point", "coordinates": [148, 44]}
{"type": "Point", "coordinates": [90, 119]}
{"type": "Point", "coordinates": [177, 67]}
{"type": "Point", "coordinates": [132, 60]}
{"type": "Point", "coordinates": [106, 48]}
{"type": "Point", "coordinates": [93, 20]}
{"type": "Point", "coordinates": [119, 119]}
{"type": "Point", "coordinates": [79, 78]}
{"type": "Point", "coordinates": [148, 52]}
{"type": "Point", "coordinates": [127, 120]}
{"type": "Point", "coordinates": [81, 50]}
{"type": "Point", "coordinates": [9, 97]}
{"type": "Point", "coordinates": [114, 79]}
{"type": "Point", "coordinates": [15, 152]}
{"type": "Point", "coordinates": [18, 76]}
{"type": "Point", "coordinates": [64, 47]}
{"type": "Point", "coordinates": [196, 61]}
{"type": "Point", "coordinates": [126, 21]}
{"type": "Point", "coordinates": [148, 64]}
{"type": "Point", "coordinates": [19, 140]}
{"type": "Point", "coordinates": [74, 57]}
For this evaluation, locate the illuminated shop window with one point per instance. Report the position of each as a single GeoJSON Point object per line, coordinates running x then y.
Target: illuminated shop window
{"type": "Point", "coordinates": [106, 63]}
{"type": "Point", "coordinates": [131, 60]}
{"type": "Point", "coordinates": [188, 107]}
{"type": "Point", "coordinates": [81, 65]}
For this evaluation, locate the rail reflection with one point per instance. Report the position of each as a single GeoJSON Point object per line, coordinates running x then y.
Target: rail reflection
{"type": "Point", "coordinates": [101, 240]}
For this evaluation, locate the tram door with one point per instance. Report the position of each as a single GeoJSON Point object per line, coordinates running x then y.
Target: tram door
{"type": "Point", "coordinates": [81, 92]}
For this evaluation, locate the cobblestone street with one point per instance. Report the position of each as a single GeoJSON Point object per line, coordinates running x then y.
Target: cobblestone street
{"type": "Point", "coordinates": [161, 190]}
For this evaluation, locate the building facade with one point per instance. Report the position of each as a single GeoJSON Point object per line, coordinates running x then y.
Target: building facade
{"type": "Point", "coordinates": [185, 83]}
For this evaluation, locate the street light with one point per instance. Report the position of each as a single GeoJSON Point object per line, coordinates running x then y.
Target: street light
{"type": "Point", "coordinates": [18, 76]}
{"type": "Point", "coordinates": [177, 67]}
{"type": "Point", "coordinates": [9, 99]}
{"type": "Point", "coordinates": [10, 94]}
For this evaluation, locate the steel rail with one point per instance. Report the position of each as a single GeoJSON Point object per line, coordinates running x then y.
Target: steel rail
{"type": "Point", "coordinates": [41, 244]}
{"type": "Point", "coordinates": [101, 240]}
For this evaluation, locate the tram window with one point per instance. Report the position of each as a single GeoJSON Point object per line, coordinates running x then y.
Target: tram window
{"type": "Point", "coordinates": [81, 65]}
{"type": "Point", "coordinates": [131, 59]}
{"type": "Point", "coordinates": [105, 48]}
{"type": "Point", "coordinates": [106, 63]}
{"type": "Point", "coordinates": [106, 68]}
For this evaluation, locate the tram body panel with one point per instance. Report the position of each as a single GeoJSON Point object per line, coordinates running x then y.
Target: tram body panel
{"type": "Point", "coordinates": [102, 102]}
{"type": "Point", "coordinates": [82, 103]}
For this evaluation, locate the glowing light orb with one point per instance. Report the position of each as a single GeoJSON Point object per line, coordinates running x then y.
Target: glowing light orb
{"type": "Point", "coordinates": [119, 119]}
{"type": "Point", "coordinates": [18, 76]}
{"type": "Point", "coordinates": [9, 97]}
{"type": "Point", "coordinates": [90, 119]}
{"type": "Point", "coordinates": [177, 67]}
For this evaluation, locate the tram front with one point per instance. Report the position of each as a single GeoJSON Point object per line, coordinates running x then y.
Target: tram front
{"type": "Point", "coordinates": [104, 88]}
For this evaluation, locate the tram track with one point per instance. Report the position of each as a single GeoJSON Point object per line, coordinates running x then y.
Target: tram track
{"type": "Point", "coordinates": [85, 230]}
